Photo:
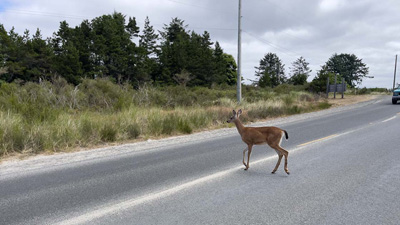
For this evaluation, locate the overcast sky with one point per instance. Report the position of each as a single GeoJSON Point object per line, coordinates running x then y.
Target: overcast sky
{"type": "Point", "coordinates": [314, 29]}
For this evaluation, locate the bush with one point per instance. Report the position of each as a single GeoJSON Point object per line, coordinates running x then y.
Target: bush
{"type": "Point", "coordinates": [184, 126]}
{"type": "Point", "coordinates": [56, 115]}
{"type": "Point", "coordinates": [87, 129]}
{"type": "Point", "coordinates": [108, 133]}
{"type": "Point", "coordinates": [133, 131]}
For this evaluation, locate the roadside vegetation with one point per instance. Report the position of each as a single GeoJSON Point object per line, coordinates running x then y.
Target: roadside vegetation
{"type": "Point", "coordinates": [109, 81]}
{"type": "Point", "coordinates": [58, 116]}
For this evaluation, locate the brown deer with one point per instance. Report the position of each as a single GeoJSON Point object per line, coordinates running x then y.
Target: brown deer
{"type": "Point", "coordinates": [259, 136]}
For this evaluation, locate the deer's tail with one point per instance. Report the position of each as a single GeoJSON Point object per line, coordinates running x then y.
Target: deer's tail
{"type": "Point", "coordinates": [286, 134]}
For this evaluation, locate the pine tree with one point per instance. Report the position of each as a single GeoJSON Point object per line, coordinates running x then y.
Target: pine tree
{"type": "Point", "coordinates": [174, 54]}
{"type": "Point", "coordinates": [147, 54]}
{"type": "Point", "coordinates": [25, 58]}
{"type": "Point", "coordinates": [148, 39]}
{"type": "Point", "coordinates": [271, 71]}
{"type": "Point", "coordinates": [225, 66]}
{"type": "Point", "coordinates": [300, 72]}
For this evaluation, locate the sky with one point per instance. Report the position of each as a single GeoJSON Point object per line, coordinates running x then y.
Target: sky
{"type": "Point", "coordinates": [314, 29]}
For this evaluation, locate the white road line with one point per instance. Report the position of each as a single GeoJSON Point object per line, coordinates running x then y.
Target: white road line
{"type": "Point", "coordinates": [110, 209]}
{"type": "Point", "coordinates": [391, 118]}
{"type": "Point", "coordinates": [114, 208]}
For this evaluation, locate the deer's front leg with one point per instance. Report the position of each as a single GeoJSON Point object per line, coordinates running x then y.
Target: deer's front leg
{"type": "Point", "coordinates": [244, 154]}
{"type": "Point", "coordinates": [248, 157]}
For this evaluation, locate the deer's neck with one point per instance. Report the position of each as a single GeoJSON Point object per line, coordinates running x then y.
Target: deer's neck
{"type": "Point", "coordinates": [239, 126]}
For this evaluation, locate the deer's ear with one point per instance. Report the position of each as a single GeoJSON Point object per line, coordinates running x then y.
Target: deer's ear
{"type": "Point", "coordinates": [234, 112]}
{"type": "Point", "coordinates": [240, 111]}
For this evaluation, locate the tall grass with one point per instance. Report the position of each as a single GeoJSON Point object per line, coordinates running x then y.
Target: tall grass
{"type": "Point", "coordinates": [56, 116]}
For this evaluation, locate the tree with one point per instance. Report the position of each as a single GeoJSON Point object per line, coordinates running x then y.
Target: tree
{"type": "Point", "coordinates": [351, 68]}
{"type": "Point", "coordinates": [101, 47]}
{"type": "Point", "coordinates": [187, 50]}
{"type": "Point", "coordinates": [225, 67]}
{"type": "Point", "coordinates": [230, 69]}
{"type": "Point", "coordinates": [38, 58]}
{"type": "Point", "coordinates": [300, 72]}
{"type": "Point", "coordinates": [147, 54]}
{"type": "Point", "coordinates": [201, 60]}
{"type": "Point", "coordinates": [318, 84]}
{"type": "Point", "coordinates": [68, 60]}
{"type": "Point", "coordinates": [113, 48]}
{"type": "Point", "coordinates": [271, 71]}
{"type": "Point", "coordinates": [26, 58]}
{"type": "Point", "coordinates": [148, 39]}
{"type": "Point", "coordinates": [173, 56]}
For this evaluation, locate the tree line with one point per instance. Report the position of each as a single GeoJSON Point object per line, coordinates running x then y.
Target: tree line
{"type": "Point", "coordinates": [271, 71]}
{"type": "Point", "coordinates": [114, 46]}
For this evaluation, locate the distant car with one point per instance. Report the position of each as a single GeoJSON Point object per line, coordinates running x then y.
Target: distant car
{"type": "Point", "coordinates": [396, 95]}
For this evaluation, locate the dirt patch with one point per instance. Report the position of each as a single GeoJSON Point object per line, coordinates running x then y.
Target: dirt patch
{"type": "Point", "coordinates": [350, 99]}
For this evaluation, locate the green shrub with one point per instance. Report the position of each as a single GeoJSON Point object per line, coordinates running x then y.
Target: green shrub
{"type": "Point", "coordinates": [305, 97]}
{"type": "Point", "coordinates": [293, 110]}
{"type": "Point", "coordinates": [283, 88]}
{"type": "Point", "coordinates": [87, 129]}
{"type": "Point", "coordinates": [133, 131]}
{"type": "Point", "coordinates": [15, 138]}
{"type": "Point", "coordinates": [37, 141]}
{"type": "Point", "coordinates": [288, 99]}
{"type": "Point", "coordinates": [168, 124]}
{"type": "Point", "coordinates": [324, 105]}
{"type": "Point", "coordinates": [184, 126]}
{"type": "Point", "coordinates": [108, 133]}
{"type": "Point", "coordinates": [56, 115]}
{"type": "Point", "coordinates": [266, 112]}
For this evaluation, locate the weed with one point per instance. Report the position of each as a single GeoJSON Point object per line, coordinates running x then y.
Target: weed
{"type": "Point", "coordinates": [57, 115]}
{"type": "Point", "coordinates": [87, 129]}
{"type": "Point", "coordinates": [324, 105]}
{"type": "Point", "coordinates": [133, 131]}
{"type": "Point", "coordinates": [184, 126]}
{"type": "Point", "coordinates": [108, 133]}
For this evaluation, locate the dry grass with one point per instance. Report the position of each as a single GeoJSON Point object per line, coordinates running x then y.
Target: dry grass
{"type": "Point", "coordinates": [54, 117]}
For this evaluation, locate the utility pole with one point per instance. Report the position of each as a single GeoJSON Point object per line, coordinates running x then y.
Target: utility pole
{"type": "Point", "coordinates": [394, 78]}
{"type": "Point", "coordinates": [239, 73]}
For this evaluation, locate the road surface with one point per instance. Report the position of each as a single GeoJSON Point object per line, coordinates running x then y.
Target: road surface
{"type": "Point", "coordinates": [344, 165]}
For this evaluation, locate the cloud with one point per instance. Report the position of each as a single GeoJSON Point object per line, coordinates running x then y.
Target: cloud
{"type": "Point", "coordinates": [331, 5]}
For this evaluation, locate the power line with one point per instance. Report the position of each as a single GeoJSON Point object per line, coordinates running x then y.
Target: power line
{"type": "Point", "coordinates": [39, 13]}
{"type": "Point", "coordinates": [281, 49]}
{"type": "Point", "coordinates": [196, 6]}
{"type": "Point", "coordinates": [49, 14]}
{"type": "Point", "coordinates": [212, 28]}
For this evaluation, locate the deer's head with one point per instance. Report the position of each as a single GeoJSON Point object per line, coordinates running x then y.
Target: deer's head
{"type": "Point", "coordinates": [235, 116]}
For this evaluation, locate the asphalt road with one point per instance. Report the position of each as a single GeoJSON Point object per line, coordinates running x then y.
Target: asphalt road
{"type": "Point", "coordinates": [344, 168]}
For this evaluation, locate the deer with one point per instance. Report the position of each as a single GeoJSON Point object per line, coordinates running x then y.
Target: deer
{"type": "Point", "coordinates": [271, 136]}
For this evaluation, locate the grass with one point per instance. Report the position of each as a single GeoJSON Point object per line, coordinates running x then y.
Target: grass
{"type": "Point", "coordinates": [52, 117]}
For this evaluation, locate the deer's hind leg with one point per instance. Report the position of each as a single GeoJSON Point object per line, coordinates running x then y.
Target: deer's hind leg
{"type": "Point", "coordinates": [286, 154]}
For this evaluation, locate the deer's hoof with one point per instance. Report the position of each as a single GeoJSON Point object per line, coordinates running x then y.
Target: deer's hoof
{"type": "Point", "coordinates": [288, 173]}
{"type": "Point", "coordinates": [273, 172]}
